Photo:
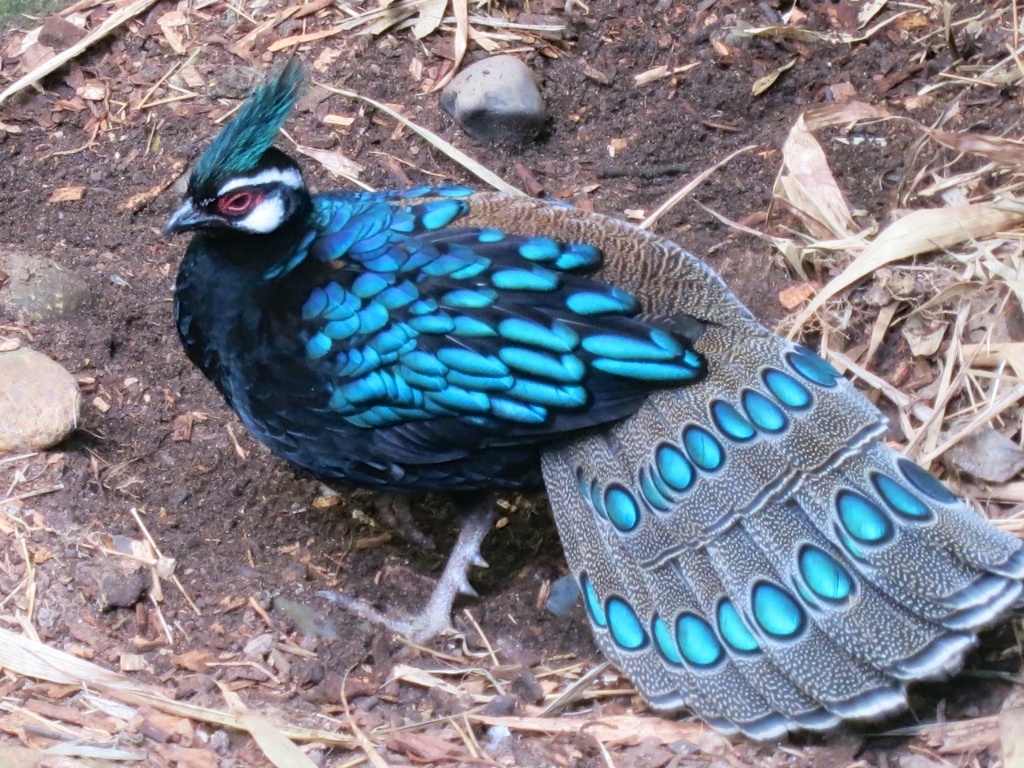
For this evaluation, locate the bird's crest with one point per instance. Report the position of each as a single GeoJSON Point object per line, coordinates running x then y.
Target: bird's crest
{"type": "Point", "coordinates": [242, 142]}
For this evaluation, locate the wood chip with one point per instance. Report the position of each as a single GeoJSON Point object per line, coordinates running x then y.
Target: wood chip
{"type": "Point", "coordinates": [94, 90]}
{"type": "Point", "coordinates": [343, 120]}
{"type": "Point", "coordinates": [191, 78]}
{"type": "Point", "coordinates": [66, 195]}
{"type": "Point", "coordinates": [133, 662]}
{"type": "Point", "coordinates": [169, 24]}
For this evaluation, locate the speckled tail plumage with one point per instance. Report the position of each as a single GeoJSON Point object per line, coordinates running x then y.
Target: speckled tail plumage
{"type": "Point", "coordinates": [747, 546]}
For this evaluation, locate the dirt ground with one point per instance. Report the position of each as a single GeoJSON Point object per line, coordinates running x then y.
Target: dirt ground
{"type": "Point", "coordinates": [253, 540]}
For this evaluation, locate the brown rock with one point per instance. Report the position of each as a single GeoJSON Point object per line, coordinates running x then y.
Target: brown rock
{"type": "Point", "coordinates": [38, 401]}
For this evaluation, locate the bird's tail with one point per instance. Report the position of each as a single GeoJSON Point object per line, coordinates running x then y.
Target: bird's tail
{"type": "Point", "coordinates": [748, 548]}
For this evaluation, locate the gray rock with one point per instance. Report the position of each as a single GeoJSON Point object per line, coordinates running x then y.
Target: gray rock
{"type": "Point", "coordinates": [122, 589]}
{"type": "Point", "coordinates": [564, 594]}
{"type": "Point", "coordinates": [39, 290]}
{"type": "Point", "coordinates": [38, 401]}
{"type": "Point", "coordinates": [496, 99]}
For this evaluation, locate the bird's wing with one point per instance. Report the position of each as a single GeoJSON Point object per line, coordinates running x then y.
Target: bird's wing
{"type": "Point", "coordinates": [444, 338]}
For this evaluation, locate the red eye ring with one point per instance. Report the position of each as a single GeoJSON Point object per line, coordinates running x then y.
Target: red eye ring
{"type": "Point", "coordinates": [238, 202]}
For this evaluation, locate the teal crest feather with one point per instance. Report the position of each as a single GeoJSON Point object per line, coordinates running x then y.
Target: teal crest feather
{"type": "Point", "coordinates": [239, 146]}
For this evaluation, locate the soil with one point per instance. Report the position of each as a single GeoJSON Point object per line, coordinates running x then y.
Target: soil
{"type": "Point", "coordinates": [254, 540]}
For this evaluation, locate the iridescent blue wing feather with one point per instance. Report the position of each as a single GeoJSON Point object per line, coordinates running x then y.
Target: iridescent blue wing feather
{"type": "Point", "coordinates": [434, 341]}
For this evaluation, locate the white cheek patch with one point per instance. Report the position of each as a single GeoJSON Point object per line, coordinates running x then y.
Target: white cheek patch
{"type": "Point", "coordinates": [288, 177]}
{"type": "Point", "coordinates": [264, 218]}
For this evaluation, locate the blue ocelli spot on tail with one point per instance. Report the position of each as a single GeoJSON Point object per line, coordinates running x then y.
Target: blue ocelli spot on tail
{"type": "Point", "coordinates": [703, 449]}
{"type": "Point", "coordinates": [318, 345]}
{"type": "Point", "coordinates": [539, 249]}
{"type": "Point", "coordinates": [776, 612]}
{"type": "Point", "coordinates": [593, 603]}
{"type": "Point", "coordinates": [656, 497]}
{"type": "Point", "coordinates": [454, 191]}
{"type": "Point", "coordinates": [673, 467]}
{"type": "Point", "coordinates": [490, 235]}
{"type": "Point", "coordinates": [615, 301]}
{"type": "Point", "coordinates": [535, 279]}
{"type": "Point", "coordinates": [441, 213]}
{"type": "Point", "coordinates": [786, 389]}
{"type": "Point", "coordinates": [421, 191]}
{"type": "Point", "coordinates": [626, 629]}
{"type": "Point", "coordinates": [764, 414]}
{"type": "Point", "coordinates": [315, 304]}
{"type": "Point", "coordinates": [697, 641]}
{"type": "Point", "coordinates": [578, 256]}
{"type": "Point", "coordinates": [825, 576]}
{"type": "Point", "coordinates": [900, 500]}
{"type": "Point", "coordinates": [663, 640]}
{"type": "Point", "coordinates": [622, 509]}
{"type": "Point", "coordinates": [862, 518]}
{"type": "Point", "coordinates": [926, 482]}
{"type": "Point", "coordinates": [730, 423]}
{"type": "Point", "coordinates": [813, 368]}
{"type": "Point", "coordinates": [734, 629]}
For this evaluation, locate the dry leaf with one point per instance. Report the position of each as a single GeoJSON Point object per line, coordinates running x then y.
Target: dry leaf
{"type": "Point", "coordinates": [427, 748]}
{"type": "Point", "coordinates": [133, 662]}
{"type": "Point", "coordinates": [1011, 736]}
{"type": "Point", "coordinates": [841, 114]}
{"type": "Point", "coordinates": [996, 148]}
{"type": "Point", "coordinates": [808, 186]}
{"type": "Point", "coordinates": [190, 77]}
{"type": "Point", "coordinates": [924, 337]}
{"type": "Point", "coordinates": [36, 55]}
{"type": "Point", "coordinates": [168, 24]}
{"type": "Point", "coordinates": [333, 160]}
{"type": "Point", "coordinates": [277, 747]}
{"type": "Point", "coordinates": [917, 232]}
{"type": "Point", "coordinates": [429, 19]}
{"type": "Point", "coordinates": [189, 757]}
{"type": "Point", "coordinates": [342, 120]}
{"type": "Point", "coordinates": [615, 730]}
{"type": "Point", "coordinates": [762, 84]}
{"type": "Point", "coordinates": [987, 455]}
{"type": "Point", "coordinates": [657, 73]}
{"type": "Point", "coordinates": [868, 11]}
{"type": "Point", "coordinates": [994, 355]}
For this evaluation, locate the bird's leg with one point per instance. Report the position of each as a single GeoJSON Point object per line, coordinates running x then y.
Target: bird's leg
{"type": "Point", "coordinates": [477, 515]}
{"type": "Point", "coordinates": [395, 509]}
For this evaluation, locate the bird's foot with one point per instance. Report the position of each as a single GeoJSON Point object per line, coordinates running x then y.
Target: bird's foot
{"type": "Point", "coordinates": [435, 618]}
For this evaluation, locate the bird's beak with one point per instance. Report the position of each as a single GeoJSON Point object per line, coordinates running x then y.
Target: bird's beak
{"type": "Point", "coordinates": [185, 218]}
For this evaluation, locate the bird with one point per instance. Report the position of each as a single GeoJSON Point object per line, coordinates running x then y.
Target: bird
{"type": "Point", "coordinates": [747, 547]}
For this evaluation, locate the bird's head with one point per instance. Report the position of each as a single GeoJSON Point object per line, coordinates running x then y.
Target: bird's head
{"type": "Point", "coordinates": [241, 183]}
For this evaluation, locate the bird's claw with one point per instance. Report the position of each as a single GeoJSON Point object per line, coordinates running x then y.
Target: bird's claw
{"type": "Point", "coordinates": [435, 618]}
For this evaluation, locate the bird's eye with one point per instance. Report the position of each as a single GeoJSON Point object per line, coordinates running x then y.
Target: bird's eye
{"type": "Point", "coordinates": [237, 203]}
